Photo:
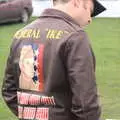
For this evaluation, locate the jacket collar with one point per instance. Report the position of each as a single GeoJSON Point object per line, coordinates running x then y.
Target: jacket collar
{"type": "Point", "coordinates": [50, 12]}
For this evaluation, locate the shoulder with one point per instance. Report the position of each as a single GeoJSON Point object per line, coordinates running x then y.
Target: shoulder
{"type": "Point", "coordinates": [77, 37]}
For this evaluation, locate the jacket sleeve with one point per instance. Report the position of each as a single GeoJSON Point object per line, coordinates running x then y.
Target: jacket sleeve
{"type": "Point", "coordinates": [9, 87]}
{"type": "Point", "coordinates": [81, 76]}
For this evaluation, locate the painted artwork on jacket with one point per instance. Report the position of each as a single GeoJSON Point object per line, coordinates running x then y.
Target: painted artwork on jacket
{"type": "Point", "coordinates": [31, 66]}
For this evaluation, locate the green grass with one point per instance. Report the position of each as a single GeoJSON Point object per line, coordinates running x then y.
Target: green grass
{"type": "Point", "coordinates": [105, 35]}
{"type": "Point", "coordinates": [105, 38]}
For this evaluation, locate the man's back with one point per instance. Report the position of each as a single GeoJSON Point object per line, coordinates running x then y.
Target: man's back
{"type": "Point", "coordinates": [54, 71]}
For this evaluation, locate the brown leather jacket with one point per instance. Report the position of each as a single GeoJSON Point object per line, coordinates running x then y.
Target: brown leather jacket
{"type": "Point", "coordinates": [50, 73]}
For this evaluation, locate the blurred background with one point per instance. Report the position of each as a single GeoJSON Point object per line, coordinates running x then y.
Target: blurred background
{"type": "Point", "coordinates": [113, 7]}
{"type": "Point", "coordinates": [22, 10]}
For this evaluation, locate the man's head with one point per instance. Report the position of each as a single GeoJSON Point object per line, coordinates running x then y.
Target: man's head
{"type": "Point", "coordinates": [80, 10]}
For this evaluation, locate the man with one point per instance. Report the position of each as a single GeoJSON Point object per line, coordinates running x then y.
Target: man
{"type": "Point", "coordinates": [50, 73]}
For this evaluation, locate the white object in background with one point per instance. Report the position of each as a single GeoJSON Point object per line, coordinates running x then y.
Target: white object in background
{"type": "Point", "coordinates": [113, 8]}
{"type": "Point", "coordinates": [40, 5]}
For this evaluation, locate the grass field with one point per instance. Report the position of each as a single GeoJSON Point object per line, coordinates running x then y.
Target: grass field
{"type": "Point", "coordinates": [105, 37]}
